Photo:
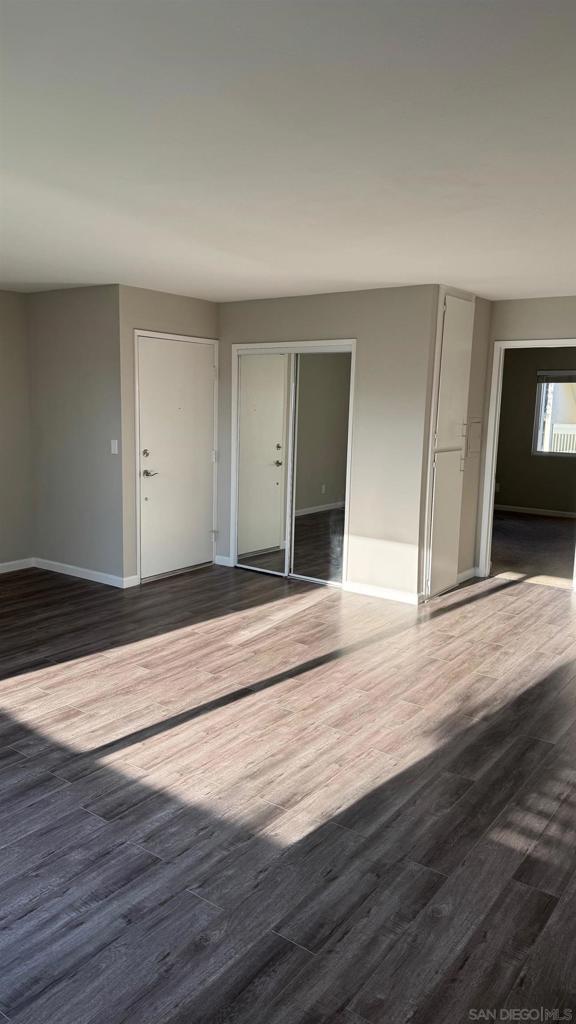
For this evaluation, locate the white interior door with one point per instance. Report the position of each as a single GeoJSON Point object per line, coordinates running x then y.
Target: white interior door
{"type": "Point", "coordinates": [262, 430]}
{"type": "Point", "coordinates": [450, 443]}
{"type": "Point", "coordinates": [176, 383]}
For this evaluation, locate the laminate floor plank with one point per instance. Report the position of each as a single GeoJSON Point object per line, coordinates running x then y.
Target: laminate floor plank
{"type": "Point", "coordinates": [226, 797]}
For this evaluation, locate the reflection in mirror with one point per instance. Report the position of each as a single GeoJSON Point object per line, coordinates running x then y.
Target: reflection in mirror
{"type": "Point", "coordinates": [263, 396]}
{"type": "Point", "coordinates": [320, 468]}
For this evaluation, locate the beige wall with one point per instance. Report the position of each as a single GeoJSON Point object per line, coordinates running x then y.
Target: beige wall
{"type": "Point", "coordinates": [529, 319]}
{"type": "Point", "coordinates": [468, 554]}
{"type": "Point", "coordinates": [75, 363]}
{"type": "Point", "coordinates": [323, 401]}
{"type": "Point", "coordinates": [149, 311]}
{"type": "Point", "coordinates": [395, 330]}
{"type": "Point", "coordinates": [523, 320]}
{"type": "Point", "coordinates": [527, 480]}
{"type": "Point", "coordinates": [82, 375]}
{"type": "Point", "coordinates": [15, 450]}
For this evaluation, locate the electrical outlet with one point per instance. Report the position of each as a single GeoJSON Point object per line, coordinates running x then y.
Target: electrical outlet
{"type": "Point", "coordinates": [114, 447]}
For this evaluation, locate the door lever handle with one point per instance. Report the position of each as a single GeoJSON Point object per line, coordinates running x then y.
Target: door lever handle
{"type": "Point", "coordinates": [149, 472]}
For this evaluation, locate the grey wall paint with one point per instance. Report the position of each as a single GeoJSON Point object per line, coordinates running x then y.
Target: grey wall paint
{"type": "Point", "coordinates": [395, 330]}
{"type": "Point", "coordinates": [322, 425]}
{"type": "Point", "coordinates": [75, 360]}
{"type": "Point", "coordinates": [15, 431]}
{"type": "Point", "coordinates": [468, 554]}
{"type": "Point", "coordinates": [524, 319]}
{"type": "Point", "coordinates": [81, 337]}
{"type": "Point", "coordinates": [527, 480]}
{"type": "Point", "coordinates": [149, 311]}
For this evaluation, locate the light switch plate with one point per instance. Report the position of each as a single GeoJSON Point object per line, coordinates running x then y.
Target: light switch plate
{"type": "Point", "coordinates": [114, 447]}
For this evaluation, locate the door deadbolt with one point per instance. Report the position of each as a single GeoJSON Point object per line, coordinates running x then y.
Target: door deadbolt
{"type": "Point", "coordinates": [278, 462]}
{"type": "Point", "coordinates": [145, 452]}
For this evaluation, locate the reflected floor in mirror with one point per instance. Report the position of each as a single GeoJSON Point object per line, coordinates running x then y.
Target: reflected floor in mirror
{"type": "Point", "coordinates": [318, 543]}
{"type": "Point", "coordinates": [271, 561]}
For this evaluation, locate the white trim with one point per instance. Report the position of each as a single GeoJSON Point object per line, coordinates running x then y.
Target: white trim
{"type": "Point", "coordinates": [468, 574]}
{"type": "Point", "coordinates": [425, 568]}
{"type": "Point", "coordinates": [538, 343]}
{"type": "Point", "coordinates": [535, 511]}
{"type": "Point", "coordinates": [70, 570]}
{"type": "Point", "coordinates": [223, 560]}
{"type": "Point", "coordinates": [86, 574]}
{"type": "Point", "coordinates": [20, 563]}
{"type": "Point", "coordinates": [291, 455]}
{"type": "Point", "coordinates": [139, 333]}
{"type": "Point", "coordinates": [489, 483]}
{"type": "Point", "coordinates": [346, 537]}
{"type": "Point", "coordinates": [368, 590]}
{"type": "Point", "coordinates": [319, 508]}
{"type": "Point", "coordinates": [426, 565]}
{"type": "Point", "coordinates": [279, 347]}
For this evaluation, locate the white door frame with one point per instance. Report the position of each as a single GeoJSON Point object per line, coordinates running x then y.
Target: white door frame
{"type": "Point", "coordinates": [286, 348]}
{"type": "Point", "coordinates": [489, 483]}
{"type": "Point", "coordinates": [163, 335]}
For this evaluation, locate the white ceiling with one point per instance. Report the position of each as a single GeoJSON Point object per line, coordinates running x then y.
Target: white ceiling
{"type": "Point", "coordinates": [241, 148]}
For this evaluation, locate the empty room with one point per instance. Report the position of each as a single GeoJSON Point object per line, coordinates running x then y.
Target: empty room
{"type": "Point", "coordinates": [288, 511]}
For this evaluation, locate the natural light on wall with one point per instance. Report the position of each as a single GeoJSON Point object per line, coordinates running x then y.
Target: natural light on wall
{"type": "Point", "coordinates": [555, 422]}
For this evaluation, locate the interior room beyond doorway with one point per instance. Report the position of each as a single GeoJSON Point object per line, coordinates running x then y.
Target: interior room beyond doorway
{"type": "Point", "coordinates": [534, 527]}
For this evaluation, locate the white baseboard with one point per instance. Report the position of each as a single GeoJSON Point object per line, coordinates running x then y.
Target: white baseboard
{"type": "Point", "coordinates": [223, 560]}
{"type": "Point", "coordinates": [318, 508]}
{"type": "Point", "coordinates": [368, 590]}
{"type": "Point", "coordinates": [20, 563]}
{"type": "Point", "coordinates": [468, 574]}
{"type": "Point", "coordinates": [86, 574]}
{"type": "Point", "coordinates": [535, 511]}
{"type": "Point", "coordinates": [127, 581]}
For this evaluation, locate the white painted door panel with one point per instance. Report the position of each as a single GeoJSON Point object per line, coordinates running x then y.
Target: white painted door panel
{"type": "Point", "coordinates": [446, 512]}
{"type": "Point", "coordinates": [262, 430]}
{"type": "Point", "coordinates": [450, 443]}
{"type": "Point", "coordinates": [454, 373]}
{"type": "Point", "coordinates": [176, 410]}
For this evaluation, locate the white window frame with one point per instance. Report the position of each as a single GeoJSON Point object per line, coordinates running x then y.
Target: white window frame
{"type": "Point", "coordinates": [540, 385]}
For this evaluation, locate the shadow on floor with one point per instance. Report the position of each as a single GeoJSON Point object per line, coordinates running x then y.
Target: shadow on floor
{"type": "Point", "coordinates": [144, 898]}
{"type": "Point", "coordinates": [78, 619]}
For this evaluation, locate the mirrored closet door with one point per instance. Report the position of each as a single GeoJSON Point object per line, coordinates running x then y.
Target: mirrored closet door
{"type": "Point", "coordinates": [292, 462]}
{"type": "Point", "coordinates": [320, 462]}
{"type": "Point", "coordinates": [263, 420]}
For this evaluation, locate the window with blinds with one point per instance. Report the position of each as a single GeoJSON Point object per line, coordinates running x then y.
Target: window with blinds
{"type": "Point", "coordinates": [555, 420]}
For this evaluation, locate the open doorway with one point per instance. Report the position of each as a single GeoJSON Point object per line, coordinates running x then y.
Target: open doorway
{"type": "Point", "coordinates": [532, 526]}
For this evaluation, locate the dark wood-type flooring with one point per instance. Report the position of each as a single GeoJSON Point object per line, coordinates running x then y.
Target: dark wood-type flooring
{"type": "Point", "coordinates": [538, 547]}
{"type": "Point", "coordinates": [318, 548]}
{"type": "Point", "coordinates": [318, 544]}
{"type": "Point", "coordinates": [230, 797]}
